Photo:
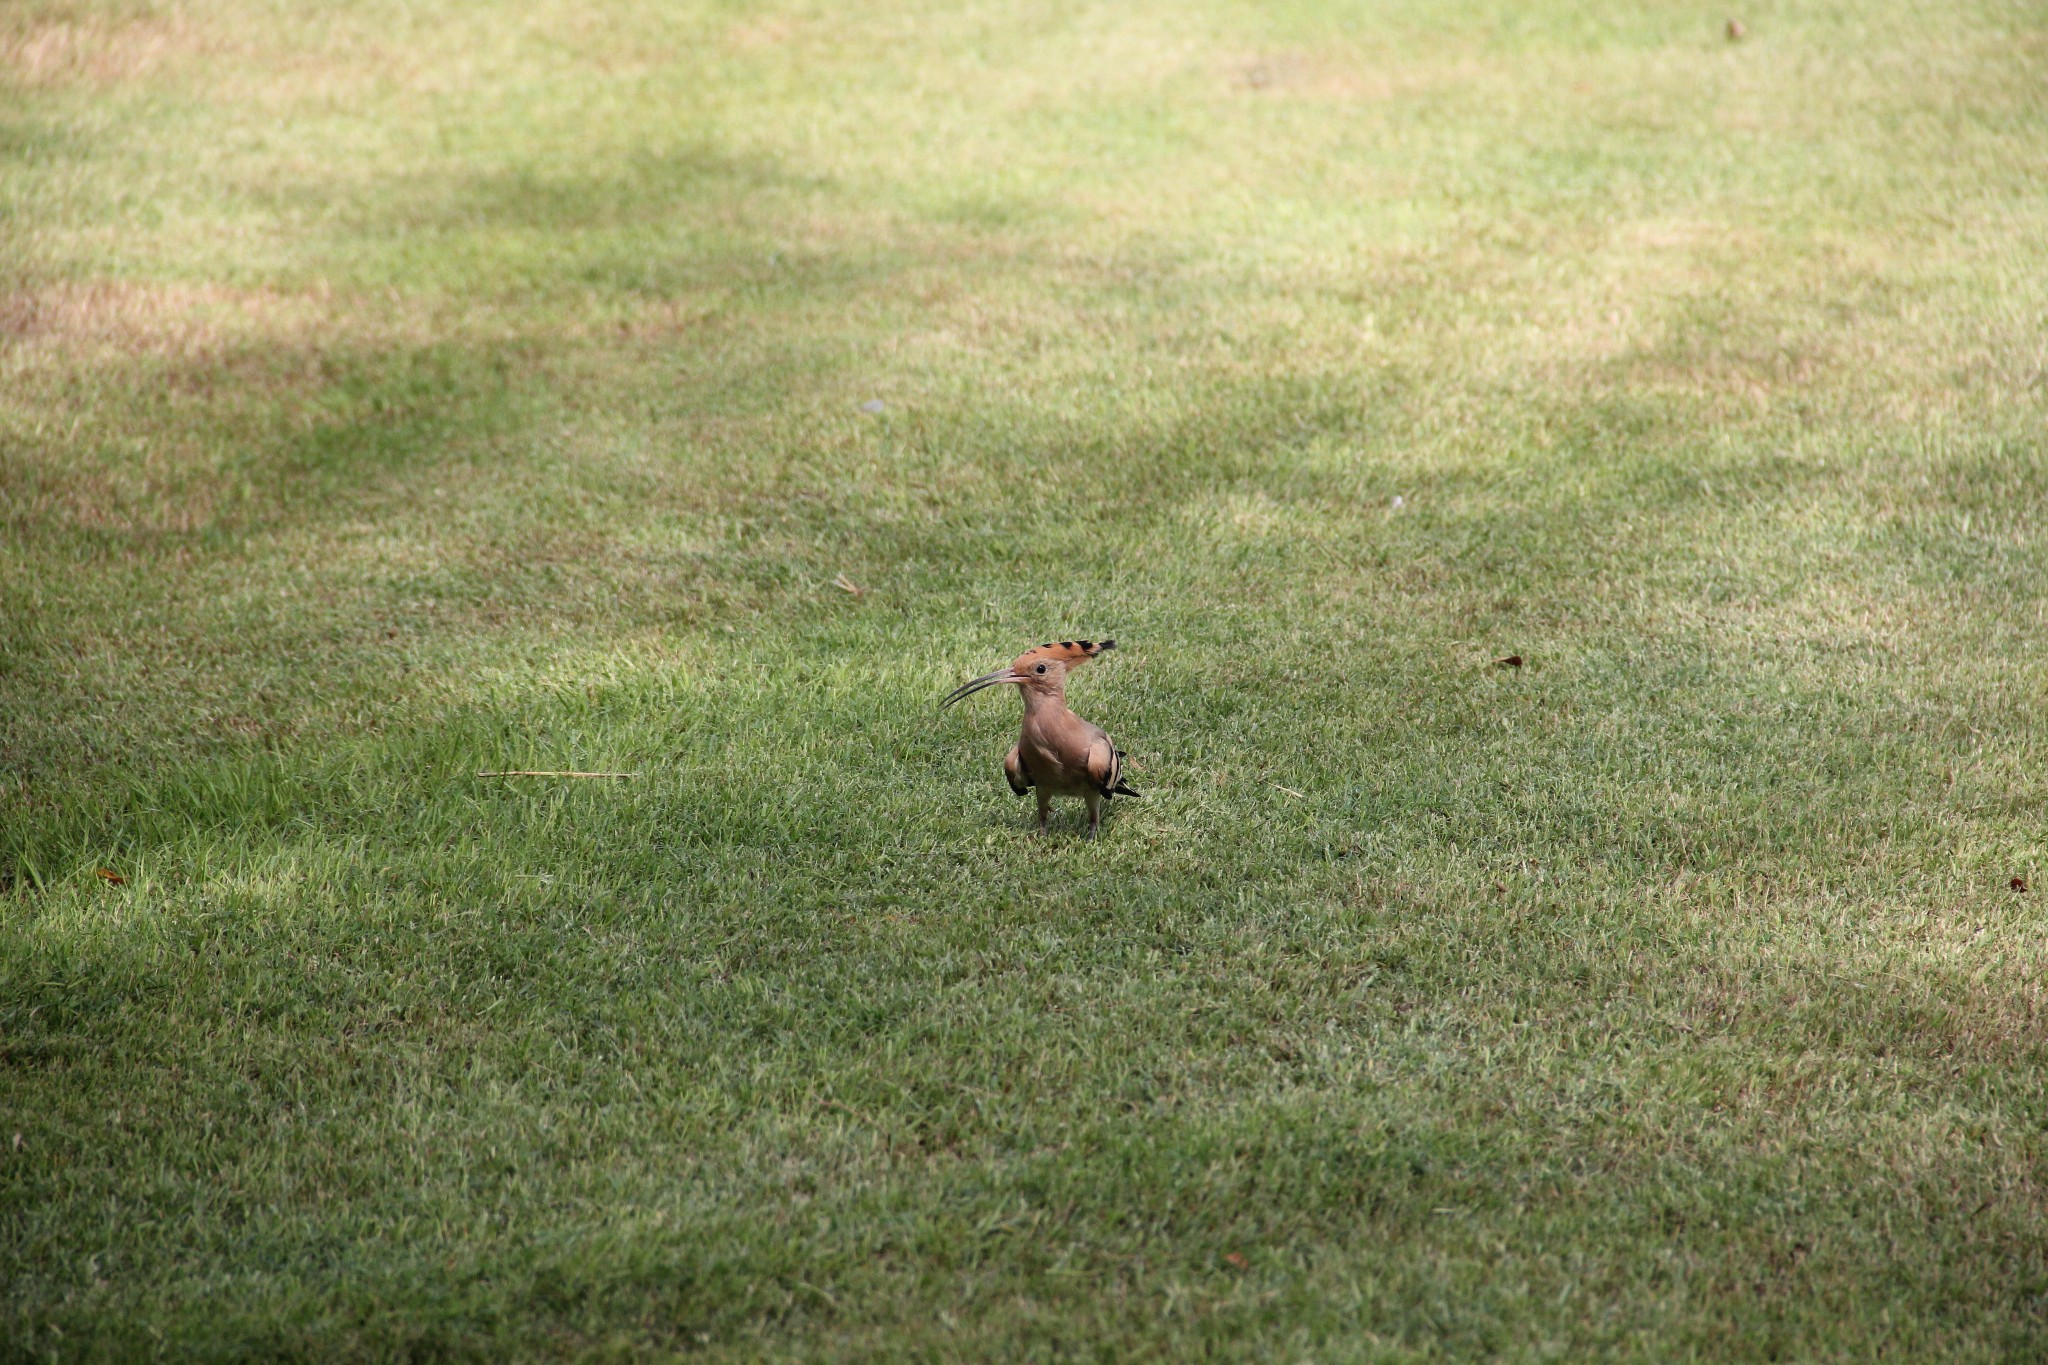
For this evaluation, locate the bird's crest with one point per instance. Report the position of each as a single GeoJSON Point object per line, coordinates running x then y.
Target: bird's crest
{"type": "Point", "coordinates": [1072, 653]}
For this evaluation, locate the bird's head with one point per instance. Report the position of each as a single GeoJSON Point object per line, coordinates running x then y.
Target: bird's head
{"type": "Point", "coordinates": [1043, 669]}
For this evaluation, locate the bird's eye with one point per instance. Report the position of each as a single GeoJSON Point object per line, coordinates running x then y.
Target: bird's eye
{"type": "Point", "coordinates": [1041, 668]}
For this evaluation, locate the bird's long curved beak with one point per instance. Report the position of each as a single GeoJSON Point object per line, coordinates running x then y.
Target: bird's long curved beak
{"type": "Point", "coordinates": [1000, 676]}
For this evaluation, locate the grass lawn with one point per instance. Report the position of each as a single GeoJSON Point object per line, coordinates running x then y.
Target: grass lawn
{"type": "Point", "coordinates": [392, 392]}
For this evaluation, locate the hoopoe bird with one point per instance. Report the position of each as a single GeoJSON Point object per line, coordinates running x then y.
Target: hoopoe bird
{"type": "Point", "coordinates": [1059, 754]}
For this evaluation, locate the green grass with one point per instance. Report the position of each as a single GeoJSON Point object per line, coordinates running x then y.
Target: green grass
{"type": "Point", "coordinates": [391, 392]}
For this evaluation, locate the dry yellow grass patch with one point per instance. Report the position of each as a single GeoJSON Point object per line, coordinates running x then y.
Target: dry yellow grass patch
{"type": "Point", "coordinates": [130, 317]}
{"type": "Point", "coordinates": [759, 33]}
{"type": "Point", "coordinates": [103, 50]}
{"type": "Point", "coordinates": [223, 370]}
{"type": "Point", "coordinates": [1351, 79]}
{"type": "Point", "coordinates": [218, 330]}
{"type": "Point", "coordinates": [258, 64]}
{"type": "Point", "coordinates": [105, 502]}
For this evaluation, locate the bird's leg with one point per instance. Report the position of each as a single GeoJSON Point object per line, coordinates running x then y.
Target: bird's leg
{"type": "Point", "coordinates": [1094, 814]}
{"type": "Point", "coordinates": [1044, 810]}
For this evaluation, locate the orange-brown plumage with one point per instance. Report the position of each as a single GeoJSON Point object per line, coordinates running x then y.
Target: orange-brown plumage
{"type": "Point", "coordinates": [1069, 652]}
{"type": "Point", "coordinates": [1058, 753]}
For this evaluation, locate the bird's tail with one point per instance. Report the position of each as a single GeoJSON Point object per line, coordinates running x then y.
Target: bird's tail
{"type": "Point", "coordinates": [1117, 787]}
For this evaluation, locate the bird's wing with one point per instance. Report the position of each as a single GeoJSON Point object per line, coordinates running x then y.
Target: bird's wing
{"type": "Point", "coordinates": [1014, 770]}
{"type": "Point", "coordinates": [1106, 767]}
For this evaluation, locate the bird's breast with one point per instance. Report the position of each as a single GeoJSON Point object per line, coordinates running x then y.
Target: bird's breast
{"type": "Point", "coordinates": [1055, 763]}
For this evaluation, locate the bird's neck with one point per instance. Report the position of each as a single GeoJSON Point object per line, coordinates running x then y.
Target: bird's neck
{"type": "Point", "coordinates": [1044, 704]}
